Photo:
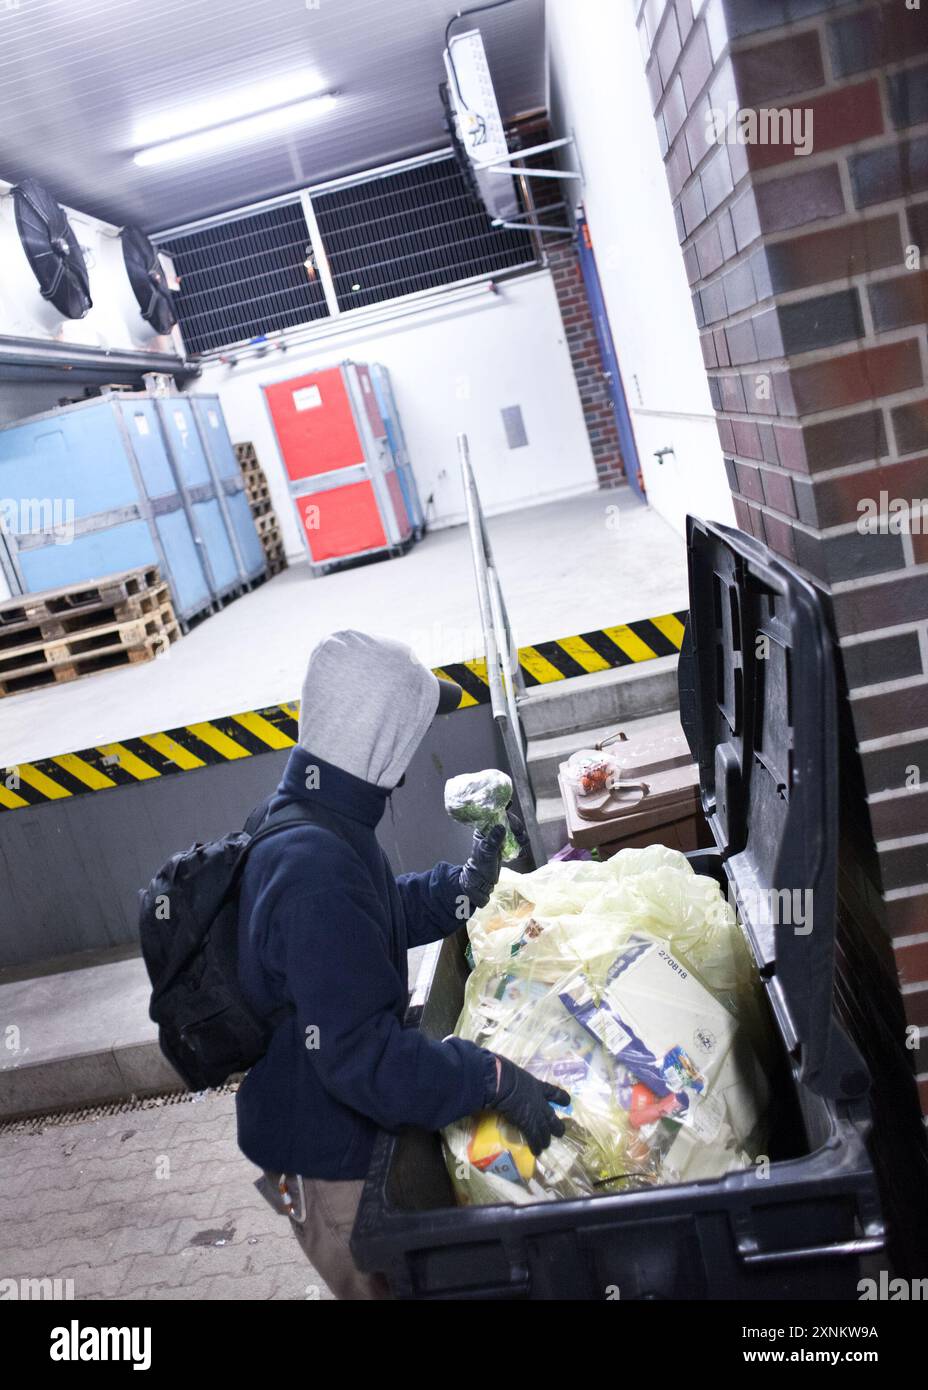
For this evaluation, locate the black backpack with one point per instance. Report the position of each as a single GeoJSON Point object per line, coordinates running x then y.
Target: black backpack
{"type": "Point", "coordinates": [188, 922]}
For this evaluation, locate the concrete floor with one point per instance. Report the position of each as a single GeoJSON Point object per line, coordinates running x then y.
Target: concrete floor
{"type": "Point", "coordinates": [127, 1224]}
{"type": "Point", "coordinates": [153, 1203]}
{"type": "Point", "coordinates": [566, 567]}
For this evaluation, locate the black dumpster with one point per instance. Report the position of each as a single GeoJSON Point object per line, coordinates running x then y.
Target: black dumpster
{"type": "Point", "coordinates": [757, 701]}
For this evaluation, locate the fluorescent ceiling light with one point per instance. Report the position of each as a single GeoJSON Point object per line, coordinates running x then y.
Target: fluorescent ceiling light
{"type": "Point", "coordinates": [235, 132]}
{"type": "Point", "coordinates": [228, 106]}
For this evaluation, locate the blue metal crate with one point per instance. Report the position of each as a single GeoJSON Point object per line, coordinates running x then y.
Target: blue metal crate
{"type": "Point", "coordinates": [230, 486]}
{"type": "Point", "coordinates": [198, 486]}
{"type": "Point", "coordinates": [118, 483]}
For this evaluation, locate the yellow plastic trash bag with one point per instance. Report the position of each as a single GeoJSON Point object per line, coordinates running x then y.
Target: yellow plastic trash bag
{"type": "Point", "coordinates": [629, 984]}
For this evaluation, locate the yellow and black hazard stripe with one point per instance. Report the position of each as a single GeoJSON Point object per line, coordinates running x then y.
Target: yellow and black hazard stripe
{"type": "Point", "coordinates": [142, 759]}
{"type": "Point", "coordinates": [235, 736]}
{"type": "Point", "coordinates": [582, 655]}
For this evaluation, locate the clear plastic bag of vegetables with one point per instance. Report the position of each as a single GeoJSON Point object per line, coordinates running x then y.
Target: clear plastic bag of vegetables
{"type": "Point", "coordinates": [630, 985]}
{"type": "Point", "coordinates": [480, 799]}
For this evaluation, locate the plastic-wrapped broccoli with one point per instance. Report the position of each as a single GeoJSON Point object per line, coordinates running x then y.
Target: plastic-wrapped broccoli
{"type": "Point", "coordinates": [481, 798]}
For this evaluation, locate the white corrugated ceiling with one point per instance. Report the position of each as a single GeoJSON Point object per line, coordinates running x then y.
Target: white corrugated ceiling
{"type": "Point", "coordinates": [78, 77]}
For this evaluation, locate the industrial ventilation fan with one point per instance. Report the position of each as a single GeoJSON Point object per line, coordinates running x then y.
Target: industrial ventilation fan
{"type": "Point", "coordinates": [52, 249]}
{"type": "Point", "coordinates": [147, 278]}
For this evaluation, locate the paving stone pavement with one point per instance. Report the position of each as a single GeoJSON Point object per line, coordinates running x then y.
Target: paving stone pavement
{"type": "Point", "coordinates": [152, 1204]}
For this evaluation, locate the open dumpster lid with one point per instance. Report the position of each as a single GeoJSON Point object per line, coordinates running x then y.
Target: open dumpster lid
{"type": "Point", "coordinates": [758, 705]}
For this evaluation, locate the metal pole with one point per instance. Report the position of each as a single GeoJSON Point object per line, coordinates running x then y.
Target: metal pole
{"type": "Point", "coordinates": [512, 664]}
{"type": "Point", "coordinates": [531, 149]}
{"type": "Point", "coordinates": [502, 700]}
{"type": "Point", "coordinates": [320, 256]}
{"type": "Point", "coordinates": [30, 352]}
{"type": "Point", "coordinates": [533, 172]}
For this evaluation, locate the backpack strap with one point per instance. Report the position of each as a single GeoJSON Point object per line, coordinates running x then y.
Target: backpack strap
{"type": "Point", "coordinates": [280, 820]}
{"type": "Point", "coordinates": [277, 820]}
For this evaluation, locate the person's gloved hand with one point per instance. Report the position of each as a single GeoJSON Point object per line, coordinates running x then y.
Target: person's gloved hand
{"type": "Point", "coordinates": [518, 829]}
{"type": "Point", "coordinates": [480, 875]}
{"type": "Point", "coordinates": [481, 872]}
{"type": "Point", "coordinates": [525, 1103]}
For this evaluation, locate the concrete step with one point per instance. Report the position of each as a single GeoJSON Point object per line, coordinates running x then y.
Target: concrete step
{"type": "Point", "coordinates": [545, 754]}
{"type": "Point", "coordinates": [607, 697]}
{"type": "Point", "coordinates": [85, 1038]}
{"type": "Point", "coordinates": [551, 822]}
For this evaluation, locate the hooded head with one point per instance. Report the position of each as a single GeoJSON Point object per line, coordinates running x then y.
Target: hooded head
{"type": "Point", "coordinates": [366, 705]}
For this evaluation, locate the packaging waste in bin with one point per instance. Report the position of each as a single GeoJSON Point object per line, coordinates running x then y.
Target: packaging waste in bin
{"type": "Point", "coordinates": [628, 983]}
{"type": "Point", "coordinates": [757, 702]}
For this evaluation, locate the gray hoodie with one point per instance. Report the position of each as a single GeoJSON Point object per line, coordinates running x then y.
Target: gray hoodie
{"type": "Point", "coordinates": [366, 705]}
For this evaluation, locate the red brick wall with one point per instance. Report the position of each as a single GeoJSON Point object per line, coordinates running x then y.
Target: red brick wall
{"type": "Point", "coordinates": [809, 277]}
{"type": "Point", "coordinates": [587, 362]}
{"type": "Point", "coordinates": [564, 264]}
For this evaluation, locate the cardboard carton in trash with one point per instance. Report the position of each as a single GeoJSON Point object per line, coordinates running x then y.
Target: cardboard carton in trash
{"type": "Point", "coordinates": [655, 1018]}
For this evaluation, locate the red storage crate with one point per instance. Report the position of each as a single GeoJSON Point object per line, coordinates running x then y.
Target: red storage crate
{"type": "Point", "coordinates": [341, 521]}
{"type": "Point", "coordinates": [315, 425]}
{"type": "Point", "coordinates": [336, 452]}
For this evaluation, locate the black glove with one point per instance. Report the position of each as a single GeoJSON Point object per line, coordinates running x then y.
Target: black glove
{"type": "Point", "coordinates": [524, 1101]}
{"type": "Point", "coordinates": [481, 872]}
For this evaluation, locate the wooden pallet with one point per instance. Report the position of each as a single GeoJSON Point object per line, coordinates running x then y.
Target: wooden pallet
{"type": "Point", "coordinates": [105, 657]}
{"type": "Point", "coordinates": [106, 592]}
{"type": "Point", "coordinates": [37, 631]}
{"type": "Point", "coordinates": [275, 556]}
{"type": "Point", "coordinates": [276, 559]}
{"type": "Point", "coordinates": [256, 485]}
{"type": "Point", "coordinates": [245, 453]}
{"type": "Point", "coordinates": [263, 514]}
{"type": "Point", "coordinates": [269, 521]}
{"type": "Point", "coordinates": [249, 463]}
{"type": "Point", "coordinates": [29, 656]}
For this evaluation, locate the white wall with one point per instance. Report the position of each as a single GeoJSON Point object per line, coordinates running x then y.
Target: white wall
{"type": "Point", "coordinates": [598, 89]}
{"type": "Point", "coordinates": [453, 368]}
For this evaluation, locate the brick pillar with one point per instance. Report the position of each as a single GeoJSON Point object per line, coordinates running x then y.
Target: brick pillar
{"type": "Point", "coordinates": [583, 346]}
{"type": "Point", "coordinates": [579, 330]}
{"type": "Point", "coordinates": [810, 289]}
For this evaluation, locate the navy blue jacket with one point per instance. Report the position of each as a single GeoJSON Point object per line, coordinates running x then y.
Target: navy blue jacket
{"type": "Point", "coordinates": [325, 926]}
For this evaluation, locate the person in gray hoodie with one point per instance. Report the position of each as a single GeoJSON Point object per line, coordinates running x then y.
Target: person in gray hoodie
{"type": "Point", "coordinates": [324, 927]}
